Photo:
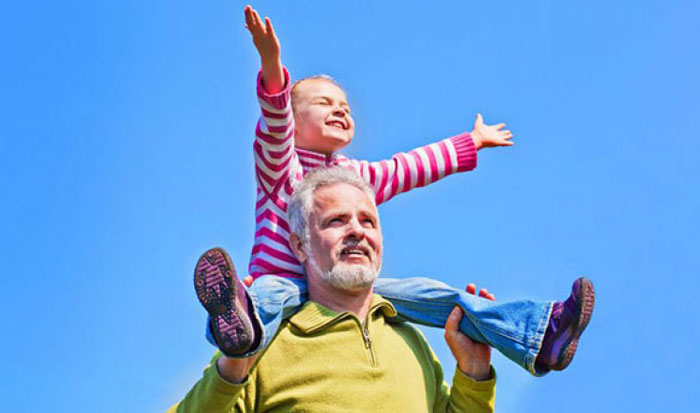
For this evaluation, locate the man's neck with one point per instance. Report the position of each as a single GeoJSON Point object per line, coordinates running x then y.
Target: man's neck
{"type": "Point", "coordinates": [357, 302]}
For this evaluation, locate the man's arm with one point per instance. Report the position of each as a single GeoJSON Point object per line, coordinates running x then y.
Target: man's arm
{"type": "Point", "coordinates": [427, 164]}
{"type": "Point", "coordinates": [466, 395]}
{"type": "Point", "coordinates": [219, 390]}
{"type": "Point", "coordinates": [474, 383]}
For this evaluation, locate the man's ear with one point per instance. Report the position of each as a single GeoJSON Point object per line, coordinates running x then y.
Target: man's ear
{"type": "Point", "coordinates": [297, 245]}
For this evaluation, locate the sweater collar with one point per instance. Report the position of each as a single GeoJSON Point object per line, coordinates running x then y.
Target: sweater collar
{"type": "Point", "coordinates": [313, 316]}
{"type": "Point", "coordinates": [312, 160]}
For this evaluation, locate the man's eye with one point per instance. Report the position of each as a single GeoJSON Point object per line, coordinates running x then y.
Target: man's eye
{"type": "Point", "coordinates": [368, 223]}
{"type": "Point", "coordinates": [335, 221]}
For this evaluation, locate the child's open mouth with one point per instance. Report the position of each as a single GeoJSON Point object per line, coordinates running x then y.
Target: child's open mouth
{"type": "Point", "coordinates": [336, 124]}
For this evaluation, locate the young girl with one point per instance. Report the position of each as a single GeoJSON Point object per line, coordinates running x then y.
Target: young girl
{"type": "Point", "coordinates": [302, 127]}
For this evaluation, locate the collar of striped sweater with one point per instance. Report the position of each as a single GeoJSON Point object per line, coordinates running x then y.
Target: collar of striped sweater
{"type": "Point", "coordinates": [311, 159]}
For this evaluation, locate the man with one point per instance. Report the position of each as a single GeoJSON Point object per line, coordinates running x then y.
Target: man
{"type": "Point", "coordinates": [340, 352]}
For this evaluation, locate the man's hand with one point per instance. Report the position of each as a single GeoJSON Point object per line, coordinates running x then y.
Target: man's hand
{"type": "Point", "coordinates": [268, 47]}
{"type": "Point", "coordinates": [486, 136]}
{"type": "Point", "coordinates": [473, 358]}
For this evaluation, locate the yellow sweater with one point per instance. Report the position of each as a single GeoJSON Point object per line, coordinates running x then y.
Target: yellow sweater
{"type": "Point", "coordinates": [323, 361]}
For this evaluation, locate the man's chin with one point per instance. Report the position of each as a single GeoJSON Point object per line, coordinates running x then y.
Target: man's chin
{"type": "Point", "coordinates": [351, 277]}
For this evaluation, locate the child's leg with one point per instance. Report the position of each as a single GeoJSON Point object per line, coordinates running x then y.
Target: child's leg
{"type": "Point", "coordinates": [241, 323]}
{"type": "Point", "coordinates": [515, 329]}
{"type": "Point", "coordinates": [274, 299]}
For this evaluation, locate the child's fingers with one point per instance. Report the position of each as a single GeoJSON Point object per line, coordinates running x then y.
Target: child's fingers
{"type": "Point", "coordinates": [471, 288]}
{"type": "Point", "coordinates": [258, 20]}
{"type": "Point", "coordinates": [499, 126]}
{"type": "Point", "coordinates": [249, 21]}
{"type": "Point", "coordinates": [250, 15]}
{"type": "Point", "coordinates": [268, 27]}
{"type": "Point", "coordinates": [253, 27]}
{"type": "Point", "coordinates": [491, 297]}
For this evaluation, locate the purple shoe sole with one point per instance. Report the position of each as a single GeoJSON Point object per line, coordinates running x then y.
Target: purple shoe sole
{"type": "Point", "coordinates": [586, 297]}
{"type": "Point", "coordinates": [225, 299]}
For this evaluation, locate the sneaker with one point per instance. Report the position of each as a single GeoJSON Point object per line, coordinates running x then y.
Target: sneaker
{"type": "Point", "coordinates": [223, 296]}
{"type": "Point", "coordinates": [568, 320]}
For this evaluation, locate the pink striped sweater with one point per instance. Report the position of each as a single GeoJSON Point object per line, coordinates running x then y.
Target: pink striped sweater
{"type": "Point", "coordinates": [279, 165]}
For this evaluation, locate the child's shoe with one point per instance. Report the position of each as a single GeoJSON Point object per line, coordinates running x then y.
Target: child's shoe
{"type": "Point", "coordinates": [230, 310]}
{"type": "Point", "coordinates": [568, 320]}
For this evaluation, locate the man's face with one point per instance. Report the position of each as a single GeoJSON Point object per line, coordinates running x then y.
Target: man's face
{"type": "Point", "coordinates": [322, 116]}
{"type": "Point", "coordinates": [345, 245]}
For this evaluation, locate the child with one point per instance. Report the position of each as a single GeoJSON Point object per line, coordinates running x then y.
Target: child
{"type": "Point", "coordinates": [302, 127]}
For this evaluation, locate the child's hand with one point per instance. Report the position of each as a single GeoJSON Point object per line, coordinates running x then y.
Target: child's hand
{"type": "Point", "coordinates": [263, 35]}
{"type": "Point", "coordinates": [268, 47]}
{"type": "Point", "coordinates": [486, 136]}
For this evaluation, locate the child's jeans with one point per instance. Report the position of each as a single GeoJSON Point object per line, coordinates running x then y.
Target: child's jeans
{"type": "Point", "coordinates": [514, 328]}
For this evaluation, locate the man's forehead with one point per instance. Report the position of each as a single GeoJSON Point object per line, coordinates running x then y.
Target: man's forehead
{"type": "Point", "coordinates": [342, 196]}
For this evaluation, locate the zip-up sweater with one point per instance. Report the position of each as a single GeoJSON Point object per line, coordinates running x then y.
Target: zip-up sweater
{"type": "Point", "coordinates": [323, 361]}
{"type": "Point", "coordinates": [279, 166]}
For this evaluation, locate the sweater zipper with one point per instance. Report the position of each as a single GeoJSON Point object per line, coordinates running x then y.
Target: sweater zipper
{"type": "Point", "coordinates": [368, 344]}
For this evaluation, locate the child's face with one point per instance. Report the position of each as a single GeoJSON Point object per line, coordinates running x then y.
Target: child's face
{"type": "Point", "coordinates": [322, 117]}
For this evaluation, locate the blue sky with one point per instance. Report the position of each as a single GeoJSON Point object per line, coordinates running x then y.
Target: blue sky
{"type": "Point", "coordinates": [125, 152]}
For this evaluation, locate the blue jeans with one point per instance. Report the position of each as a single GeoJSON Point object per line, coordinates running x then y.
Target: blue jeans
{"type": "Point", "coordinates": [514, 328]}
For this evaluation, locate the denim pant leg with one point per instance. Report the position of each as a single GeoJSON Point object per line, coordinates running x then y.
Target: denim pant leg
{"type": "Point", "coordinates": [274, 299]}
{"type": "Point", "coordinates": [514, 328]}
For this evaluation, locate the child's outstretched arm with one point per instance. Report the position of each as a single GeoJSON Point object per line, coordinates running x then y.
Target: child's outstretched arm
{"type": "Point", "coordinates": [274, 133]}
{"type": "Point", "coordinates": [427, 164]}
{"type": "Point", "coordinates": [268, 47]}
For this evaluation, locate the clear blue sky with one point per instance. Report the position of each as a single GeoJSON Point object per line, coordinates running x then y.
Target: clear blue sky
{"type": "Point", "coordinates": [125, 152]}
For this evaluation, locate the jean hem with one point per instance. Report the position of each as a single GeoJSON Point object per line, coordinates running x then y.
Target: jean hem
{"type": "Point", "coordinates": [536, 345]}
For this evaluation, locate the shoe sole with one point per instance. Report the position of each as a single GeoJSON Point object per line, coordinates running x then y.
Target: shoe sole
{"type": "Point", "coordinates": [217, 287]}
{"type": "Point", "coordinates": [583, 315]}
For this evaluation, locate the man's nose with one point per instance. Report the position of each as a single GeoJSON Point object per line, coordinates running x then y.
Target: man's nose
{"type": "Point", "coordinates": [355, 229]}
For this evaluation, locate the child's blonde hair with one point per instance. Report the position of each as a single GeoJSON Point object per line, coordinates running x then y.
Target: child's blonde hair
{"type": "Point", "coordinates": [315, 77]}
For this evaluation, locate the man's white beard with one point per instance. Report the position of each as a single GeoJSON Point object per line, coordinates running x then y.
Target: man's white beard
{"type": "Point", "coordinates": [347, 277]}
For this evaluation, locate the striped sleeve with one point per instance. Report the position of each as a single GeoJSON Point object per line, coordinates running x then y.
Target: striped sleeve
{"type": "Point", "coordinates": [419, 167]}
{"type": "Point", "coordinates": [274, 137]}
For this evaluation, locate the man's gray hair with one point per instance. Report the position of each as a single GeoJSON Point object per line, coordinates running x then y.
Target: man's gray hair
{"type": "Point", "coordinates": [300, 204]}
